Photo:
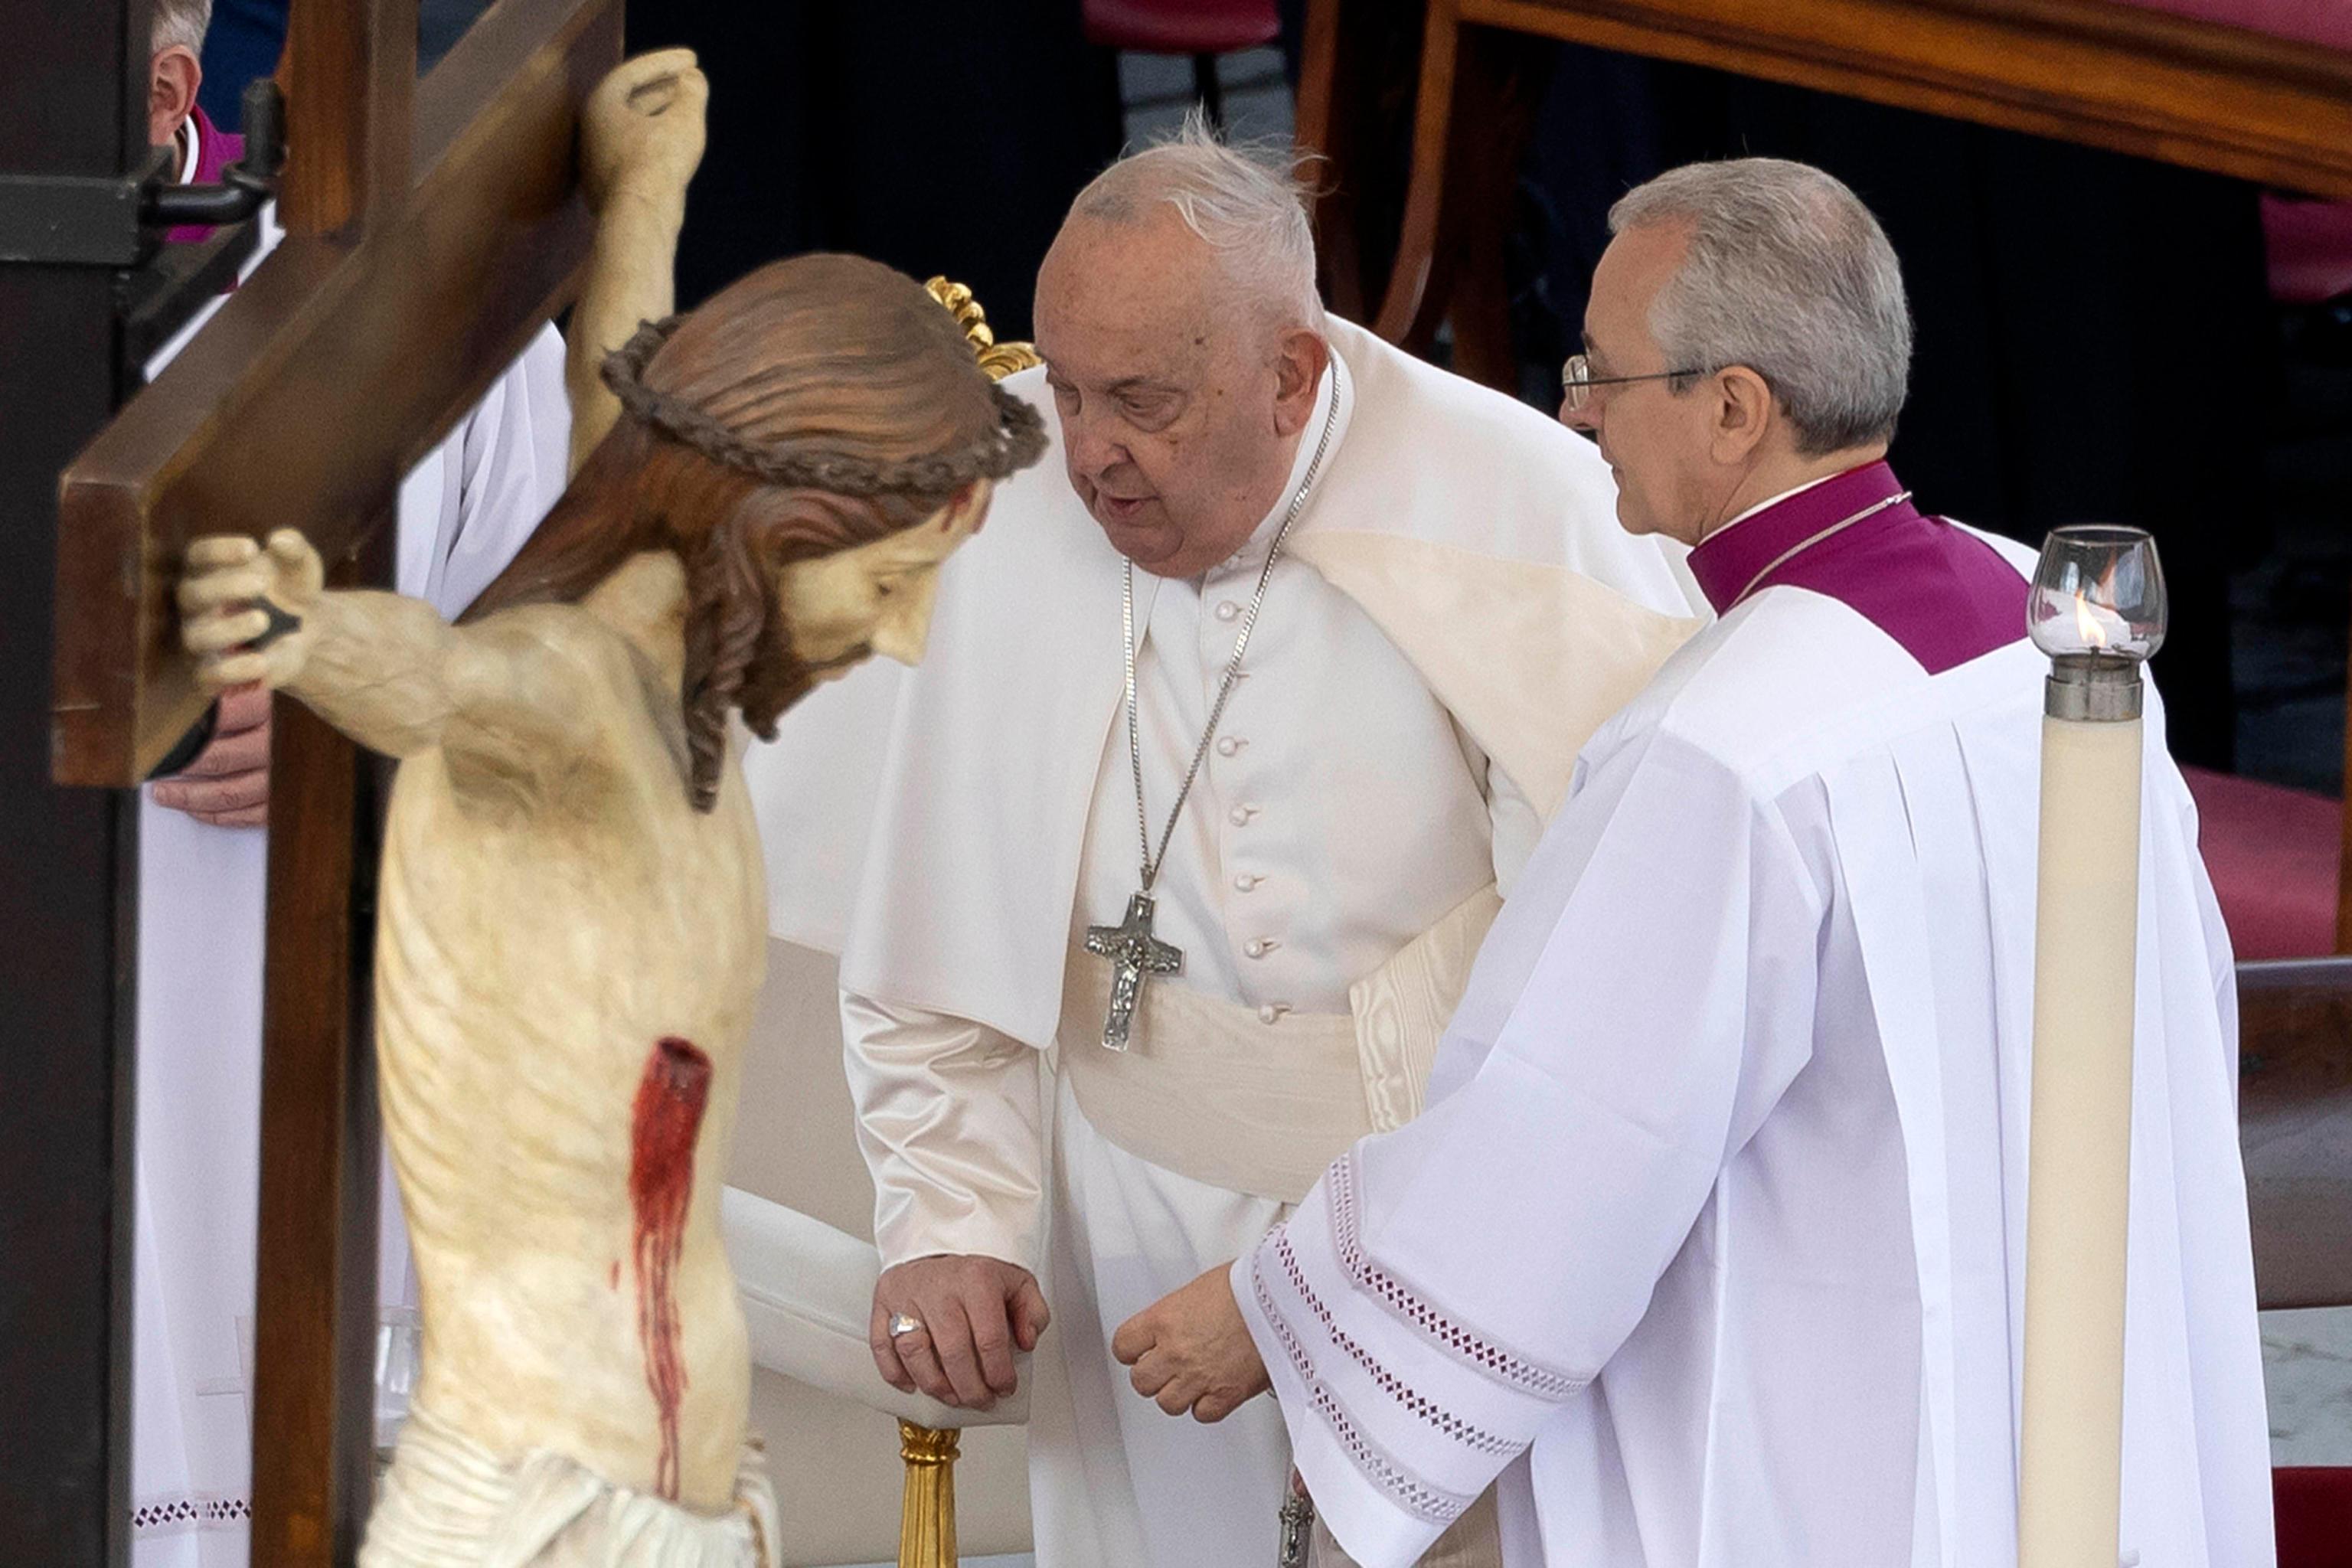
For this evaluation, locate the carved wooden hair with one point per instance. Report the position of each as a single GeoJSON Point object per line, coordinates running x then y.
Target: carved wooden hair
{"type": "Point", "coordinates": [744, 424]}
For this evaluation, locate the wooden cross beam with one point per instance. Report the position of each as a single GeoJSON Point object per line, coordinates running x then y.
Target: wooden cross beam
{"type": "Point", "coordinates": [393, 304]}
{"type": "Point", "coordinates": [421, 255]}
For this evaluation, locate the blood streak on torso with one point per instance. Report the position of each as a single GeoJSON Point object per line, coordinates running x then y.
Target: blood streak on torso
{"type": "Point", "coordinates": [668, 1116]}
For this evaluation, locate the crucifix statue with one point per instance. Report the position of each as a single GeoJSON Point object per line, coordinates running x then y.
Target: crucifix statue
{"type": "Point", "coordinates": [573, 919]}
{"type": "Point", "coordinates": [431, 227]}
{"type": "Point", "coordinates": [422, 252]}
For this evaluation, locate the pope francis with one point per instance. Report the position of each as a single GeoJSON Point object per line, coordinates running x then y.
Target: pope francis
{"type": "Point", "coordinates": [1239, 722]}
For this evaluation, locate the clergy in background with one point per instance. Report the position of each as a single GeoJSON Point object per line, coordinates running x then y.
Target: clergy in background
{"type": "Point", "coordinates": [1711, 1243]}
{"type": "Point", "coordinates": [1239, 717]}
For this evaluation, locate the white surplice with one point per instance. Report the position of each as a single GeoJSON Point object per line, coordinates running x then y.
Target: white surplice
{"type": "Point", "coordinates": [1340, 811]}
{"type": "Point", "coordinates": [1710, 1242]}
{"type": "Point", "coordinates": [464, 511]}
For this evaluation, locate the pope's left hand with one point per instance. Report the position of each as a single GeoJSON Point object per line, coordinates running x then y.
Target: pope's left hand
{"type": "Point", "coordinates": [1191, 1351]}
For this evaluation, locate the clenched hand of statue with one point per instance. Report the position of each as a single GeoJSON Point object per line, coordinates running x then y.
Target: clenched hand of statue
{"type": "Point", "coordinates": [641, 136]}
{"type": "Point", "coordinates": [573, 919]}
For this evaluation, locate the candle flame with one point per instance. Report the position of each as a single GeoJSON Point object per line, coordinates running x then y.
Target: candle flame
{"type": "Point", "coordinates": [2094, 634]}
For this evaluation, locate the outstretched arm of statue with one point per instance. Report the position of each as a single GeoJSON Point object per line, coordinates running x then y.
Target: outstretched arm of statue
{"type": "Point", "coordinates": [640, 140]}
{"type": "Point", "coordinates": [384, 669]}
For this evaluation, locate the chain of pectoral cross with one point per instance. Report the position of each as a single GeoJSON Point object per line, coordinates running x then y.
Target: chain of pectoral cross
{"type": "Point", "coordinates": [1134, 952]}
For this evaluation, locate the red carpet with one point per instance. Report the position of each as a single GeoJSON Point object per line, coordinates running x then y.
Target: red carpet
{"type": "Point", "coordinates": [2273, 853]}
{"type": "Point", "coordinates": [2314, 1515]}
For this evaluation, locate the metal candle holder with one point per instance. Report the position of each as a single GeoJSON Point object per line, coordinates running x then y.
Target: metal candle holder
{"type": "Point", "coordinates": [2098, 610]}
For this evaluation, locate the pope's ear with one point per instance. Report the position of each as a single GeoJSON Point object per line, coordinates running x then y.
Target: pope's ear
{"type": "Point", "coordinates": [1300, 360]}
{"type": "Point", "coordinates": [1744, 410]}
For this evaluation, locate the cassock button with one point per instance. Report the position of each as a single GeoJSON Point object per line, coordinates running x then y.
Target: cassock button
{"type": "Point", "coordinates": [1228, 610]}
{"type": "Point", "coordinates": [1259, 947]}
{"type": "Point", "coordinates": [1230, 746]}
{"type": "Point", "coordinates": [1272, 1012]}
{"type": "Point", "coordinates": [1247, 882]}
{"type": "Point", "coordinates": [1239, 817]}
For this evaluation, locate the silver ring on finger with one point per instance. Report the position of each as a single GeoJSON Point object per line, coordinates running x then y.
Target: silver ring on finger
{"type": "Point", "coordinates": [903, 1323]}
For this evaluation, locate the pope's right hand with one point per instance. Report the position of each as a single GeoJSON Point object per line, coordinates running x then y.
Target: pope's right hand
{"type": "Point", "coordinates": [973, 1312]}
{"type": "Point", "coordinates": [222, 613]}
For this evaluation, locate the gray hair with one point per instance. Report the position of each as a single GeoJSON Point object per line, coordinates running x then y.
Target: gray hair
{"type": "Point", "coordinates": [181, 22]}
{"type": "Point", "coordinates": [1788, 274]}
{"type": "Point", "coordinates": [1248, 203]}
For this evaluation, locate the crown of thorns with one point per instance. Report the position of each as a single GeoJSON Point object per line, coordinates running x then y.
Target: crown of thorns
{"type": "Point", "coordinates": [1017, 440]}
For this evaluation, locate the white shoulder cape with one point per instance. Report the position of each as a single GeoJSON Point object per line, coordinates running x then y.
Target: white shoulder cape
{"type": "Point", "coordinates": [942, 859]}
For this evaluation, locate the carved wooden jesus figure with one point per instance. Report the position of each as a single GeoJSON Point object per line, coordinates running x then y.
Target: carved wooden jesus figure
{"type": "Point", "coordinates": [573, 922]}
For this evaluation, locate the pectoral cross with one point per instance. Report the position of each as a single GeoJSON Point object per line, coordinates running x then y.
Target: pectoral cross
{"type": "Point", "coordinates": [1297, 1530]}
{"type": "Point", "coordinates": [1134, 952]}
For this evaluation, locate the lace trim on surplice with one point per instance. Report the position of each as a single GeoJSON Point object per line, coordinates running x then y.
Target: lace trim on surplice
{"type": "Point", "coordinates": [174, 1514]}
{"type": "Point", "coordinates": [1431, 1413]}
{"type": "Point", "coordinates": [1432, 1505]}
{"type": "Point", "coordinates": [1478, 1352]}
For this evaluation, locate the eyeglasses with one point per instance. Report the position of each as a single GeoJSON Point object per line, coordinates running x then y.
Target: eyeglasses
{"type": "Point", "coordinates": [1577, 380]}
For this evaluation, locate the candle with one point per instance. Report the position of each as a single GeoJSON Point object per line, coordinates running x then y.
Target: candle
{"type": "Point", "coordinates": [2098, 610]}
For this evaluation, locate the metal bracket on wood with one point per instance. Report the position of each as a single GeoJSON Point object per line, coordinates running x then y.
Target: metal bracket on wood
{"type": "Point", "coordinates": [245, 184]}
{"type": "Point", "coordinates": [76, 220]}
{"type": "Point", "coordinates": [109, 220]}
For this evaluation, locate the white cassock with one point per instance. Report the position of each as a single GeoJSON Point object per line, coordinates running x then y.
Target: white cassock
{"type": "Point", "coordinates": [1710, 1243]}
{"type": "Point", "coordinates": [1374, 776]}
{"type": "Point", "coordinates": [464, 511]}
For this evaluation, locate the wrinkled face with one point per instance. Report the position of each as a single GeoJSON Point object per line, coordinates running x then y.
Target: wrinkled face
{"type": "Point", "coordinates": [1180, 409]}
{"type": "Point", "coordinates": [873, 598]}
{"type": "Point", "coordinates": [1657, 439]}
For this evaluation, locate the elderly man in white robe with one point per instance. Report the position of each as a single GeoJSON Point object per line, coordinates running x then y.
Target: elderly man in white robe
{"type": "Point", "coordinates": [1240, 718]}
{"type": "Point", "coordinates": [1711, 1243]}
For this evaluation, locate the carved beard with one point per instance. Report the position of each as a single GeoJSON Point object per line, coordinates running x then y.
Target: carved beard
{"type": "Point", "coordinates": [778, 676]}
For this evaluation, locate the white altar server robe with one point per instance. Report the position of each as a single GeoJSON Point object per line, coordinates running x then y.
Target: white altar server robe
{"type": "Point", "coordinates": [1713, 1233]}
{"type": "Point", "coordinates": [464, 511]}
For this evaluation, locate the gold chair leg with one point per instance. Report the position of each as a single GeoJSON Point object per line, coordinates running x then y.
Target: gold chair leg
{"type": "Point", "coordinates": [927, 1515]}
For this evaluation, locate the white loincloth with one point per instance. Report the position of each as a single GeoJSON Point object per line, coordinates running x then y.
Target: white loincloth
{"type": "Point", "coordinates": [449, 1501]}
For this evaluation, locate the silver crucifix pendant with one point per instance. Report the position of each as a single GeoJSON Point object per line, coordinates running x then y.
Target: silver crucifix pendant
{"type": "Point", "coordinates": [1297, 1526]}
{"type": "Point", "coordinates": [1134, 952]}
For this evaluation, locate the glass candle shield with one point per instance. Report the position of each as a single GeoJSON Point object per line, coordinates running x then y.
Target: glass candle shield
{"type": "Point", "coordinates": [2098, 589]}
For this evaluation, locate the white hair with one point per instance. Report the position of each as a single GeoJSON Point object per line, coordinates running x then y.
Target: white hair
{"type": "Point", "coordinates": [1247, 203]}
{"type": "Point", "coordinates": [1788, 274]}
{"type": "Point", "coordinates": [181, 22]}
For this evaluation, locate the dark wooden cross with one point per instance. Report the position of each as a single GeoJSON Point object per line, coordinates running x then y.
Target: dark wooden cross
{"type": "Point", "coordinates": [1135, 954]}
{"type": "Point", "coordinates": [430, 228]}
